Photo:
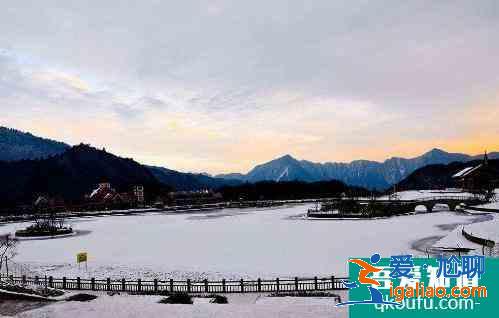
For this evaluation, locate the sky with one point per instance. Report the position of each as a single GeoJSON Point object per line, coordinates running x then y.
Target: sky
{"type": "Point", "coordinates": [220, 86]}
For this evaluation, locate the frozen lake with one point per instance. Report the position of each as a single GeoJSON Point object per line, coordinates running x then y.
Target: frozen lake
{"type": "Point", "coordinates": [231, 243]}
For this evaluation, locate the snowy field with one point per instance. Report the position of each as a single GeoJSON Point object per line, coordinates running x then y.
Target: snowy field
{"type": "Point", "coordinates": [232, 244]}
{"type": "Point", "coordinates": [147, 306]}
{"type": "Point", "coordinates": [487, 228]}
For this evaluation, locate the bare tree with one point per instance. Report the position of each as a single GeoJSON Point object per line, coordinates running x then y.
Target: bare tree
{"type": "Point", "coordinates": [8, 250]}
{"type": "Point", "coordinates": [61, 222]}
{"type": "Point", "coordinates": [37, 219]}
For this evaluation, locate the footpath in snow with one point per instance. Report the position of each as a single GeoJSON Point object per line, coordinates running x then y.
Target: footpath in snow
{"type": "Point", "coordinates": [241, 306]}
{"type": "Point", "coordinates": [487, 230]}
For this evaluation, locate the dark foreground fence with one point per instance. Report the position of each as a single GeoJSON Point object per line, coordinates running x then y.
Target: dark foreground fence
{"type": "Point", "coordinates": [205, 286]}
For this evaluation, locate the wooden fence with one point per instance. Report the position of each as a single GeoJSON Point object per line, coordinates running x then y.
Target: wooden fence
{"type": "Point", "coordinates": [478, 240]}
{"type": "Point", "coordinates": [205, 286]}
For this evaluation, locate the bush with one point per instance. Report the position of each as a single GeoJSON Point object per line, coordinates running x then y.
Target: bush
{"type": "Point", "coordinates": [39, 291]}
{"type": "Point", "coordinates": [177, 298]}
{"type": "Point", "coordinates": [150, 293]}
{"type": "Point", "coordinates": [34, 231]}
{"type": "Point", "coordinates": [307, 294]}
{"type": "Point", "coordinates": [81, 297]}
{"type": "Point", "coordinates": [49, 292]}
{"type": "Point", "coordinates": [18, 289]}
{"type": "Point", "coordinates": [218, 299]}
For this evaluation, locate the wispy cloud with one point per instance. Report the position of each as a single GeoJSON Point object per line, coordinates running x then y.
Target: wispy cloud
{"type": "Point", "coordinates": [223, 85]}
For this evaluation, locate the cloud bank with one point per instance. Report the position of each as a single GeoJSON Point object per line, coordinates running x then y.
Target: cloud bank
{"type": "Point", "coordinates": [219, 86]}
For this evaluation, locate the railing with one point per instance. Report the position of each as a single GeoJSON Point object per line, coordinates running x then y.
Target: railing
{"type": "Point", "coordinates": [368, 208]}
{"type": "Point", "coordinates": [426, 199]}
{"type": "Point", "coordinates": [488, 210]}
{"type": "Point", "coordinates": [478, 240]}
{"type": "Point", "coordinates": [169, 286]}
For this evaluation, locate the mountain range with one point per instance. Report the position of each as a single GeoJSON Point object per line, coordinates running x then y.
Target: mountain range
{"type": "Point", "coordinates": [362, 173]}
{"type": "Point", "coordinates": [16, 145]}
{"type": "Point", "coordinates": [70, 175]}
{"type": "Point", "coordinates": [27, 159]}
{"type": "Point", "coordinates": [182, 181]}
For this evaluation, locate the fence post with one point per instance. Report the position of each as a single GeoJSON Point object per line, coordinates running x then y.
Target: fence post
{"type": "Point", "coordinates": [188, 285]}
{"type": "Point", "coordinates": [224, 289]}
{"type": "Point", "coordinates": [78, 283]}
{"type": "Point", "coordinates": [277, 284]}
{"type": "Point", "coordinates": [242, 285]}
{"type": "Point", "coordinates": [139, 285]}
{"type": "Point", "coordinates": [296, 283]}
{"type": "Point", "coordinates": [108, 284]}
{"type": "Point", "coordinates": [259, 285]}
{"type": "Point", "coordinates": [51, 282]}
{"type": "Point", "coordinates": [171, 285]}
{"type": "Point", "coordinates": [155, 286]}
{"type": "Point", "coordinates": [316, 286]}
{"type": "Point", "coordinates": [332, 283]}
{"type": "Point", "coordinates": [64, 283]}
{"type": "Point", "coordinates": [123, 284]}
{"type": "Point", "coordinates": [37, 279]}
{"type": "Point", "coordinates": [92, 283]}
{"type": "Point", "coordinates": [206, 285]}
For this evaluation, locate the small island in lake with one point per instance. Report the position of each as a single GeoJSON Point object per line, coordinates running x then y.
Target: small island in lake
{"type": "Point", "coordinates": [45, 226]}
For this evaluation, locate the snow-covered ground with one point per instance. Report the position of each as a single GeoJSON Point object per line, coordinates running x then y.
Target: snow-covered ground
{"type": "Point", "coordinates": [493, 205]}
{"type": "Point", "coordinates": [231, 244]}
{"type": "Point", "coordinates": [455, 239]}
{"type": "Point", "coordinates": [147, 306]}
{"type": "Point", "coordinates": [488, 229]}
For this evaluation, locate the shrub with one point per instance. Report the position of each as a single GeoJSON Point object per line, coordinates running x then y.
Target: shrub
{"type": "Point", "coordinates": [307, 294]}
{"type": "Point", "coordinates": [218, 299]}
{"type": "Point", "coordinates": [39, 291]}
{"type": "Point", "coordinates": [81, 297]}
{"type": "Point", "coordinates": [34, 231]}
{"type": "Point", "coordinates": [150, 293]}
{"type": "Point", "coordinates": [50, 292]}
{"type": "Point", "coordinates": [177, 298]}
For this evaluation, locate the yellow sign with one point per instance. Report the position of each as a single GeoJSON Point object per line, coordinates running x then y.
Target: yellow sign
{"type": "Point", "coordinates": [81, 257]}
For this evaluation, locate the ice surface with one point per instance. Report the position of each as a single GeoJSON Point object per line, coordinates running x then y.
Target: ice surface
{"type": "Point", "coordinates": [488, 229]}
{"type": "Point", "coordinates": [230, 243]}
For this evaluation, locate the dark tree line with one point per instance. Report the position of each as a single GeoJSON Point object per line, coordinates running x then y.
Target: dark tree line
{"type": "Point", "coordinates": [71, 175]}
{"type": "Point", "coordinates": [16, 145]}
{"type": "Point", "coordinates": [441, 177]}
{"type": "Point", "coordinates": [290, 190]}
